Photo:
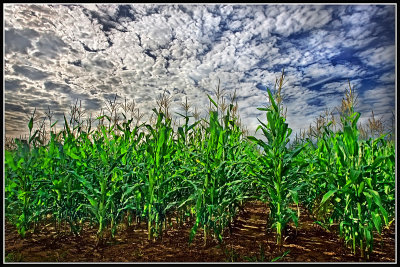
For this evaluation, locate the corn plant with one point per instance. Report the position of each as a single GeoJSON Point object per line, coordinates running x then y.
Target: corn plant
{"type": "Point", "coordinates": [351, 178]}
{"type": "Point", "coordinates": [159, 150]}
{"type": "Point", "coordinates": [277, 172]}
{"type": "Point", "coordinates": [23, 180]}
{"type": "Point", "coordinates": [222, 167]}
{"type": "Point", "coordinates": [204, 171]}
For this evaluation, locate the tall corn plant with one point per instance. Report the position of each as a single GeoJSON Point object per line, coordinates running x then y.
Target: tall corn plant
{"type": "Point", "coordinates": [354, 175]}
{"type": "Point", "coordinates": [18, 188]}
{"type": "Point", "coordinates": [319, 172]}
{"type": "Point", "coordinates": [22, 184]}
{"type": "Point", "coordinates": [96, 174]}
{"type": "Point", "coordinates": [212, 151]}
{"type": "Point", "coordinates": [277, 172]}
{"type": "Point", "coordinates": [222, 170]}
{"type": "Point", "coordinates": [159, 149]}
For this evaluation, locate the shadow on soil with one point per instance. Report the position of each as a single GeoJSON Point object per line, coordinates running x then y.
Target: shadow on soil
{"type": "Point", "coordinates": [248, 241]}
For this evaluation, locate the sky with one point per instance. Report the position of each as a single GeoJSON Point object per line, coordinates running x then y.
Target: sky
{"type": "Point", "coordinates": [55, 54]}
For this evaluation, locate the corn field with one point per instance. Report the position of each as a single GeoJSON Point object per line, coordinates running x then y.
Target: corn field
{"type": "Point", "coordinates": [129, 172]}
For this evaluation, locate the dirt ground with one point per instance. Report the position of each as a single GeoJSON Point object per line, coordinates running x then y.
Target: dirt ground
{"type": "Point", "coordinates": [247, 242]}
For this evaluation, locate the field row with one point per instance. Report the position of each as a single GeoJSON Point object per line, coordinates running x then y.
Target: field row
{"type": "Point", "coordinates": [203, 171]}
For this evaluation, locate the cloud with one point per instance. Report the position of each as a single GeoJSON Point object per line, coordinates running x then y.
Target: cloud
{"type": "Point", "coordinates": [50, 45]}
{"type": "Point", "coordinates": [293, 19]}
{"type": "Point", "coordinates": [19, 40]}
{"type": "Point", "coordinates": [14, 85]}
{"type": "Point", "coordinates": [14, 108]}
{"type": "Point", "coordinates": [388, 77]}
{"type": "Point", "coordinates": [321, 73]}
{"type": "Point", "coordinates": [379, 57]}
{"type": "Point", "coordinates": [55, 54]}
{"type": "Point", "coordinates": [30, 72]}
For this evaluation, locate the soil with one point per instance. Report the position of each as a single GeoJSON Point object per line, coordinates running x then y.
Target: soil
{"type": "Point", "coordinates": [247, 241]}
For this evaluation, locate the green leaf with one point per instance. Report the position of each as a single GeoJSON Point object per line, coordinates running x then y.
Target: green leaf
{"type": "Point", "coordinates": [72, 155]}
{"type": "Point", "coordinates": [92, 202]}
{"type": "Point", "coordinates": [10, 160]}
{"type": "Point", "coordinates": [356, 116]}
{"type": "Point", "coordinates": [252, 138]}
{"type": "Point", "coordinates": [375, 196]}
{"type": "Point", "coordinates": [280, 257]}
{"type": "Point", "coordinates": [66, 125]}
{"type": "Point", "coordinates": [53, 124]}
{"type": "Point", "coordinates": [295, 196]}
{"type": "Point", "coordinates": [30, 124]}
{"type": "Point", "coordinates": [328, 195]}
{"type": "Point", "coordinates": [376, 218]}
{"type": "Point", "coordinates": [295, 152]}
{"type": "Point", "coordinates": [212, 101]}
{"type": "Point", "coordinates": [33, 136]}
{"type": "Point", "coordinates": [193, 125]}
{"type": "Point", "coordinates": [361, 188]}
{"type": "Point", "coordinates": [272, 100]}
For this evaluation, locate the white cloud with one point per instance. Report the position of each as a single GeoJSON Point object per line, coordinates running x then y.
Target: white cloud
{"type": "Point", "coordinates": [379, 57]}
{"type": "Point", "coordinates": [329, 71]}
{"type": "Point", "coordinates": [184, 50]}
{"type": "Point", "coordinates": [380, 100]}
{"type": "Point", "coordinates": [360, 17]}
{"type": "Point", "coordinates": [388, 77]}
{"type": "Point", "coordinates": [292, 19]}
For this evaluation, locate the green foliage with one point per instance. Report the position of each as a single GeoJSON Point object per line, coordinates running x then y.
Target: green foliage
{"type": "Point", "coordinates": [277, 177]}
{"type": "Point", "coordinates": [350, 182]}
{"type": "Point", "coordinates": [150, 173]}
{"type": "Point", "coordinates": [202, 171]}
